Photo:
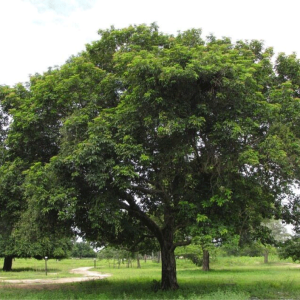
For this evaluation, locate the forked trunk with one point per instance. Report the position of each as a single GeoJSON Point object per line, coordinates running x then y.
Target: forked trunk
{"type": "Point", "coordinates": [205, 262]}
{"type": "Point", "coordinates": [165, 237]}
{"type": "Point", "coordinates": [7, 266]}
{"type": "Point", "coordinates": [168, 275]}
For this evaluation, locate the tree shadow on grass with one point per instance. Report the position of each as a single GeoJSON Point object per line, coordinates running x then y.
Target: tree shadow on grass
{"type": "Point", "coordinates": [242, 269]}
{"type": "Point", "coordinates": [195, 288]}
{"type": "Point", "coordinates": [129, 289]}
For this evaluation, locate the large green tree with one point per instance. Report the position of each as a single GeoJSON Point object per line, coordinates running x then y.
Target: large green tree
{"type": "Point", "coordinates": [163, 130]}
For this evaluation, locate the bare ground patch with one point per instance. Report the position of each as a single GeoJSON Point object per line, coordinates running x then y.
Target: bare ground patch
{"type": "Point", "coordinates": [53, 283]}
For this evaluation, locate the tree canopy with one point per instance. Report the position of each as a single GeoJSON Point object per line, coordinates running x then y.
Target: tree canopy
{"type": "Point", "coordinates": [145, 134]}
{"type": "Point", "coordinates": [24, 232]}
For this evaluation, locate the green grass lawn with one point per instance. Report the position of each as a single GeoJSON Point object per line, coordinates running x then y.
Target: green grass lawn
{"type": "Point", "coordinates": [230, 278]}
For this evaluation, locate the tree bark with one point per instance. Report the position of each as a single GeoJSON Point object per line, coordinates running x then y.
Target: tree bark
{"type": "Point", "coordinates": [7, 266]}
{"type": "Point", "coordinates": [165, 237]}
{"type": "Point", "coordinates": [168, 275]}
{"type": "Point", "coordinates": [205, 262]}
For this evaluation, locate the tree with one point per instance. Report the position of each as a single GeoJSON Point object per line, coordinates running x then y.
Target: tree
{"type": "Point", "coordinates": [10, 177]}
{"type": "Point", "coordinates": [207, 235]}
{"type": "Point", "coordinates": [261, 240]}
{"type": "Point", "coordinates": [82, 249]}
{"type": "Point", "coordinates": [277, 229]}
{"type": "Point", "coordinates": [13, 205]}
{"type": "Point", "coordinates": [278, 234]}
{"type": "Point", "coordinates": [178, 128]}
{"type": "Point", "coordinates": [290, 248]}
{"type": "Point", "coordinates": [33, 137]}
{"type": "Point", "coordinates": [192, 252]}
{"type": "Point", "coordinates": [269, 236]}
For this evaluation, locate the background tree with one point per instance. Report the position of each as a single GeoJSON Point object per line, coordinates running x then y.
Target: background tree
{"type": "Point", "coordinates": [290, 249]}
{"type": "Point", "coordinates": [33, 136]}
{"type": "Point", "coordinates": [258, 241]}
{"type": "Point", "coordinates": [209, 234]}
{"type": "Point", "coordinates": [192, 252]}
{"type": "Point", "coordinates": [11, 201]}
{"type": "Point", "coordinates": [278, 234]}
{"type": "Point", "coordinates": [82, 249]}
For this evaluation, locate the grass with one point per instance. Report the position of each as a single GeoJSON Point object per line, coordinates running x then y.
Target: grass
{"type": "Point", "coordinates": [230, 278]}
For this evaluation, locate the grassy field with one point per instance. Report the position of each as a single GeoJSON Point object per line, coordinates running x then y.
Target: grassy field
{"type": "Point", "coordinates": [230, 278]}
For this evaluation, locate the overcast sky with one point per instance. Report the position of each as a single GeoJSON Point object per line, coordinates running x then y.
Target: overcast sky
{"type": "Point", "coordinates": [37, 34]}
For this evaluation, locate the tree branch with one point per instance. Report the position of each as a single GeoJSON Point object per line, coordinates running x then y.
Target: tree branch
{"type": "Point", "coordinates": [142, 238]}
{"type": "Point", "coordinates": [134, 209]}
{"type": "Point", "coordinates": [146, 191]}
{"type": "Point", "coordinates": [182, 243]}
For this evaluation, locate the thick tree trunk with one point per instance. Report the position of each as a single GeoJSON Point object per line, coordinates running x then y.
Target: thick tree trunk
{"type": "Point", "coordinates": [168, 275]}
{"type": "Point", "coordinates": [165, 237]}
{"type": "Point", "coordinates": [7, 266]}
{"type": "Point", "coordinates": [205, 262]}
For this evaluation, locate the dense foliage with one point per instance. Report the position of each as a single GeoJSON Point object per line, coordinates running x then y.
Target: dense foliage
{"type": "Point", "coordinates": [82, 249]}
{"type": "Point", "coordinates": [290, 248]}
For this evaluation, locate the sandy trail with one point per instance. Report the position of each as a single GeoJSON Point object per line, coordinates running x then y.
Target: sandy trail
{"type": "Point", "coordinates": [87, 275]}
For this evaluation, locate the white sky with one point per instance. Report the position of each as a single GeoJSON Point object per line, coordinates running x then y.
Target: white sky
{"type": "Point", "coordinates": [37, 34]}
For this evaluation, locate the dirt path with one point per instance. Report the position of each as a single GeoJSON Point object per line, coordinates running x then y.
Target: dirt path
{"type": "Point", "coordinates": [84, 271]}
